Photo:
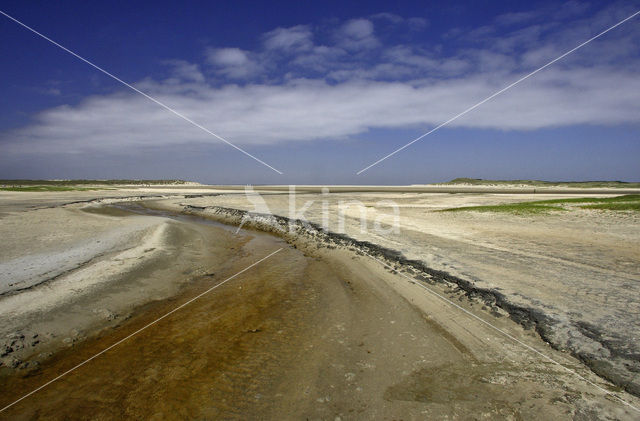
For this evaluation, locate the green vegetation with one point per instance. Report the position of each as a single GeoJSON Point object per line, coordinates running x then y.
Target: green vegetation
{"type": "Point", "coordinates": [77, 185]}
{"type": "Point", "coordinates": [629, 202]}
{"type": "Point", "coordinates": [625, 206]}
{"type": "Point", "coordinates": [625, 198]}
{"type": "Point", "coordinates": [524, 208]}
{"type": "Point", "coordinates": [45, 188]}
{"type": "Point", "coordinates": [538, 183]}
{"type": "Point", "coordinates": [23, 183]}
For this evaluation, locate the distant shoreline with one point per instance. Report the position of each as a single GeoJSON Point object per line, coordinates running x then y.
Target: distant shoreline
{"type": "Point", "coordinates": [426, 188]}
{"type": "Point", "coordinates": [86, 182]}
{"type": "Point", "coordinates": [511, 185]}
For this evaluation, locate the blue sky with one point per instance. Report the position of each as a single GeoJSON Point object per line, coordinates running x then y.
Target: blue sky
{"type": "Point", "coordinates": [320, 91]}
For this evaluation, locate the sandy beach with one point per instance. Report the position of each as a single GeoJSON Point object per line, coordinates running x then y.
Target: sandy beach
{"type": "Point", "coordinates": [320, 211]}
{"type": "Point", "coordinates": [330, 327]}
{"type": "Point", "coordinates": [573, 273]}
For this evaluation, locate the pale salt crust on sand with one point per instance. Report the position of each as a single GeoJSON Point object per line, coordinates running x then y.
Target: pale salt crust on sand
{"type": "Point", "coordinates": [65, 271]}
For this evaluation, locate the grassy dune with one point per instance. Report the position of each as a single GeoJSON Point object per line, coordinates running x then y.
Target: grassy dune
{"type": "Point", "coordinates": [47, 188]}
{"type": "Point", "coordinates": [77, 185]}
{"type": "Point", "coordinates": [629, 202]}
{"type": "Point", "coordinates": [539, 183]}
{"type": "Point", "coordinates": [25, 183]}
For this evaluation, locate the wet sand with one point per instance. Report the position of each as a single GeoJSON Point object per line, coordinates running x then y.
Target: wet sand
{"type": "Point", "coordinates": [314, 332]}
{"type": "Point", "coordinates": [572, 274]}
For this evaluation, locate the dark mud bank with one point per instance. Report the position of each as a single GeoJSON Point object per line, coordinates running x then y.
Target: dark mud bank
{"type": "Point", "coordinates": [609, 358]}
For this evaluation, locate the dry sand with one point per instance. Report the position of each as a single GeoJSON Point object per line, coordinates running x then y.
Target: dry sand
{"type": "Point", "coordinates": [318, 332]}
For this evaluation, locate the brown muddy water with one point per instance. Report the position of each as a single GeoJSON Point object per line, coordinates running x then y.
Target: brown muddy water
{"type": "Point", "coordinates": [235, 353]}
{"type": "Point", "coordinates": [203, 361]}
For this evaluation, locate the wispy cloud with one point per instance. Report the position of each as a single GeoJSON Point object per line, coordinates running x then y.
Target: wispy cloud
{"type": "Point", "coordinates": [307, 83]}
{"type": "Point", "coordinates": [184, 71]}
{"type": "Point", "coordinates": [513, 18]}
{"type": "Point", "coordinates": [296, 38]}
{"type": "Point", "coordinates": [356, 34]}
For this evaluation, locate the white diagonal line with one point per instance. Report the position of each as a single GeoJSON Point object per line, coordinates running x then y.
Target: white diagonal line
{"type": "Point", "coordinates": [166, 107]}
{"type": "Point", "coordinates": [497, 93]}
{"type": "Point", "coordinates": [513, 338]}
{"type": "Point", "coordinates": [138, 331]}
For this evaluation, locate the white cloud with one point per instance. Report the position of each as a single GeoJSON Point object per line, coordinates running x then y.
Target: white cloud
{"type": "Point", "coordinates": [357, 34]}
{"type": "Point", "coordinates": [184, 70]}
{"type": "Point", "coordinates": [295, 38]}
{"type": "Point", "coordinates": [305, 110]}
{"type": "Point", "coordinates": [320, 58]}
{"type": "Point", "coordinates": [233, 63]}
{"type": "Point", "coordinates": [346, 88]}
{"type": "Point", "coordinates": [358, 28]}
{"type": "Point", "coordinates": [227, 57]}
{"type": "Point", "coordinates": [390, 17]}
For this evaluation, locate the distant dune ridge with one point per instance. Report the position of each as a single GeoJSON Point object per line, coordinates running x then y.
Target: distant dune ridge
{"type": "Point", "coordinates": [584, 184]}
{"type": "Point", "coordinates": [460, 181]}
{"type": "Point", "coordinates": [77, 182]}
